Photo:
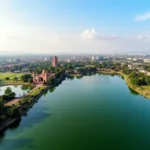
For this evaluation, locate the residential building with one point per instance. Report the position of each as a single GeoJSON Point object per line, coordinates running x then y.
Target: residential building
{"type": "Point", "coordinates": [54, 61]}
{"type": "Point", "coordinates": [147, 60]}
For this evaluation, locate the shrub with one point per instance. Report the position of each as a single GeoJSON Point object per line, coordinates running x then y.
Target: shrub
{"type": "Point", "coordinates": [7, 78]}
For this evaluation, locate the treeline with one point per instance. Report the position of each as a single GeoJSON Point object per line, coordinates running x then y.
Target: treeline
{"type": "Point", "coordinates": [109, 65]}
{"type": "Point", "coordinates": [63, 66]}
{"type": "Point", "coordinates": [85, 70]}
{"type": "Point", "coordinates": [38, 67]}
{"type": "Point", "coordinates": [136, 77]}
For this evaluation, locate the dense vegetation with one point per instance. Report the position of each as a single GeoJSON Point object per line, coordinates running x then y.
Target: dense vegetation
{"type": "Point", "coordinates": [136, 77]}
{"type": "Point", "coordinates": [146, 67]}
{"type": "Point", "coordinates": [27, 78]}
{"type": "Point", "coordinates": [9, 95]}
{"type": "Point", "coordinates": [7, 111]}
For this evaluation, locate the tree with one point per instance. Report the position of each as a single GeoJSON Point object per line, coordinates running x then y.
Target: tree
{"type": "Point", "coordinates": [12, 95]}
{"type": "Point", "coordinates": [133, 74]}
{"type": "Point", "coordinates": [26, 78]}
{"type": "Point", "coordinates": [147, 80]}
{"type": "Point", "coordinates": [15, 78]}
{"type": "Point", "coordinates": [2, 108]}
{"type": "Point", "coordinates": [9, 95]}
{"type": "Point", "coordinates": [51, 81]}
{"type": "Point", "coordinates": [19, 68]}
{"type": "Point", "coordinates": [58, 74]}
{"type": "Point", "coordinates": [135, 81]}
{"type": "Point", "coordinates": [7, 78]}
{"type": "Point", "coordinates": [8, 91]}
{"type": "Point", "coordinates": [30, 80]}
{"type": "Point", "coordinates": [44, 83]}
{"type": "Point", "coordinates": [25, 87]}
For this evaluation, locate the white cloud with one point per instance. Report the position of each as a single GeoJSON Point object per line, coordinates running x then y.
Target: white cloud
{"type": "Point", "coordinates": [142, 17]}
{"type": "Point", "coordinates": [143, 37]}
{"type": "Point", "coordinates": [89, 34]}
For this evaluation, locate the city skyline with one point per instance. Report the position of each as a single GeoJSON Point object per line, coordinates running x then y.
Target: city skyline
{"type": "Point", "coordinates": [74, 27]}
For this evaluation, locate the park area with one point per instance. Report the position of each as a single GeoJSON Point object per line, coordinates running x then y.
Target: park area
{"type": "Point", "coordinates": [10, 77]}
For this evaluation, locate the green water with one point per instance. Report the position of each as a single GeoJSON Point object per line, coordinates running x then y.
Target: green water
{"type": "Point", "coordinates": [96, 112]}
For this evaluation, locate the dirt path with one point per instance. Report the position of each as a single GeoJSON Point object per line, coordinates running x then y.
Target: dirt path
{"type": "Point", "coordinates": [16, 100]}
{"type": "Point", "coordinates": [13, 102]}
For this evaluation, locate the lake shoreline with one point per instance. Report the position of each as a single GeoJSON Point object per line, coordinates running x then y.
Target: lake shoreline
{"type": "Point", "coordinates": [7, 122]}
{"type": "Point", "coordinates": [23, 109]}
{"type": "Point", "coordinates": [138, 89]}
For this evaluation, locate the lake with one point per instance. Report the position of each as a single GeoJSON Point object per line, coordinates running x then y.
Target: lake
{"type": "Point", "coordinates": [97, 112]}
{"type": "Point", "coordinates": [20, 90]}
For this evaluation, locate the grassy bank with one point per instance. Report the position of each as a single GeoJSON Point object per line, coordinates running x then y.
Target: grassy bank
{"type": "Point", "coordinates": [143, 90]}
{"type": "Point", "coordinates": [17, 83]}
{"type": "Point", "coordinates": [108, 71]}
{"type": "Point", "coordinates": [31, 95]}
{"type": "Point", "coordinates": [76, 75]}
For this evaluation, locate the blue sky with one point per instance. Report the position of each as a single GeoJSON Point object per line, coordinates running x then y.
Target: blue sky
{"type": "Point", "coordinates": [65, 26]}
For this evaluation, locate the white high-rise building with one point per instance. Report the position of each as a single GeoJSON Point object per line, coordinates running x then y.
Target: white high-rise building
{"type": "Point", "coordinates": [93, 58]}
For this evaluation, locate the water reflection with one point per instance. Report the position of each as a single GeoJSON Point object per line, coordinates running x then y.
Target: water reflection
{"type": "Point", "coordinates": [26, 87]}
{"type": "Point", "coordinates": [15, 124]}
{"type": "Point", "coordinates": [15, 86]}
{"type": "Point", "coordinates": [36, 115]}
{"type": "Point", "coordinates": [71, 77]}
{"type": "Point", "coordinates": [52, 89]}
{"type": "Point", "coordinates": [17, 143]}
{"type": "Point", "coordinates": [1, 136]}
{"type": "Point", "coordinates": [45, 93]}
{"type": "Point", "coordinates": [133, 91]}
{"type": "Point", "coordinates": [18, 89]}
{"type": "Point", "coordinates": [79, 77]}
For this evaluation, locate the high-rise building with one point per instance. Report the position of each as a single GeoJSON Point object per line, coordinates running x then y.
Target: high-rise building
{"type": "Point", "coordinates": [93, 58]}
{"type": "Point", "coordinates": [54, 61]}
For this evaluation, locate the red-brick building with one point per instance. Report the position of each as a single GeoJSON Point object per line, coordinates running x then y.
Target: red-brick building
{"type": "Point", "coordinates": [54, 61]}
{"type": "Point", "coordinates": [43, 77]}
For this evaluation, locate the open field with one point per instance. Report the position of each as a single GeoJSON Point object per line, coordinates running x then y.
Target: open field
{"type": "Point", "coordinates": [10, 75]}
{"type": "Point", "coordinates": [10, 80]}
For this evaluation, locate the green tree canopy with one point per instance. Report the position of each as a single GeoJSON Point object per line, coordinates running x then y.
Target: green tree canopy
{"type": "Point", "coordinates": [8, 91]}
